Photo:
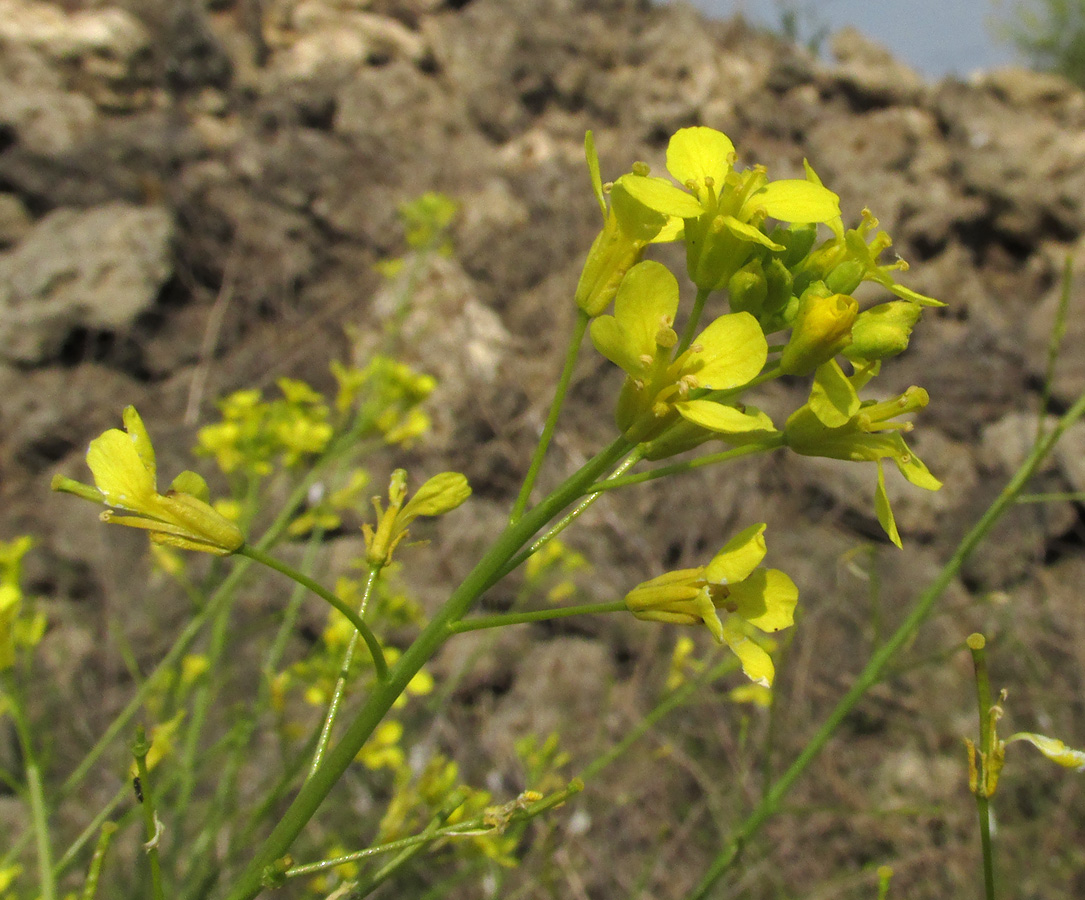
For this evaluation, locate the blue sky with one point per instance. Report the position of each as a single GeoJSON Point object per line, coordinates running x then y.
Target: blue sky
{"type": "Point", "coordinates": [936, 37]}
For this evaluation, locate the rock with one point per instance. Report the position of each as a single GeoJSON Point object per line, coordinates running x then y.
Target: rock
{"type": "Point", "coordinates": [40, 113]}
{"type": "Point", "coordinates": [98, 270]}
{"type": "Point", "coordinates": [103, 54]}
{"type": "Point", "coordinates": [870, 74]}
{"type": "Point", "coordinates": [1025, 89]}
{"type": "Point", "coordinates": [14, 220]}
{"type": "Point", "coordinates": [1069, 374]}
{"type": "Point", "coordinates": [1031, 169]}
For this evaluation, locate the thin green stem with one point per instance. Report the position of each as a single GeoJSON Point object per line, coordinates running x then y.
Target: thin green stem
{"type": "Point", "coordinates": [344, 673]}
{"type": "Point", "coordinates": [881, 658]}
{"type": "Point", "coordinates": [483, 824]}
{"type": "Point", "coordinates": [150, 818]}
{"type": "Point", "coordinates": [301, 578]}
{"type": "Point", "coordinates": [560, 392]}
{"type": "Point", "coordinates": [689, 465]}
{"type": "Point", "coordinates": [414, 657]}
{"type": "Point", "coordinates": [537, 615]}
{"type": "Point", "coordinates": [564, 522]}
{"type": "Point", "coordinates": [94, 872]}
{"type": "Point", "coordinates": [39, 812]}
{"type": "Point", "coordinates": [977, 644]}
{"type": "Point", "coordinates": [693, 322]}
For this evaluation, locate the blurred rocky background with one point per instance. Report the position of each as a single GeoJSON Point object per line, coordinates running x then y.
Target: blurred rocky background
{"type": "Point", "coordinates": [192, 197]}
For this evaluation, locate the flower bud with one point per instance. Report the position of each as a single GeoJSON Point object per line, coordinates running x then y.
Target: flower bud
{"type": "Point", "coordinates": [799, 240]}
{"type": "Point", "coordinates": [821, 330]}
{"type": "Point", "coordinates": [748, 288]}
{"type": "Point", "coordinates": [883, 331]}
{"type": "Point", "coordinates": [612, 254]}
{"type": "Point", "coordinates": [846, 277]}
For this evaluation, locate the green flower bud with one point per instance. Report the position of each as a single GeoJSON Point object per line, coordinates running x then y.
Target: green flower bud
{"type": "Point", "coordinates": [612, 254]}
{"type": "Point", "coordinates": [799, 240]}
{"type": "Point", "coordinates": [748, 288]}
{"type": "Point", "coordinates": [780, 289]}
{"type": "Point", "coordinates": [884, 330]}
{"type": "Point", "coordinates": [846, 277]}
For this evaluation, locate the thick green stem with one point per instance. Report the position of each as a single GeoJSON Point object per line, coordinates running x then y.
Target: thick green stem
{"type": "Point", "coordinates": [344, 672]}
{"type": "Point", "coordinates": [425, 645]}
{"type": "Point", "coordinates": [538, 615]}
{"type": "Point", "coordinates": [289, 571]}
{"type": "Point", "coordinates": [872, 673]}
{"type": "Point", "coordinates": [564, 522]}
{"type": "Point", "coordinates": [560, 392]}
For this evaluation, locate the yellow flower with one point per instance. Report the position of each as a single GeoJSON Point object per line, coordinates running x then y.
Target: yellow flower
{"type": "Point", "coordinates": [750, 597]}
{"type": "Point", "coordinates": [125, 478]}
{"type": "Point", "coordinates": [640, 338]}
{"type": "Point", "coordinates": [643, 210]}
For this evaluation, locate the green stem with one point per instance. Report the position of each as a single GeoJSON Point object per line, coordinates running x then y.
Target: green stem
{"type": "Point", "coordinates": [301, 578]}
{"type": "Point", "coordinates": [150, 819]}
{"type": "Point", "coordinates": [694, 320]}
{"type": "Point", "coordinates": [537, 615]}
{"type": "Point", "coordinates": [977, 644]}
{"type": "Point", "coordinates": [883, 655]}
{"type": "Point", "coordinates": [571, 354]}
{"type": "Point", "coordinates": [478, 825]}
{"type": "Point", "coordinates": [39, 812]}
{"type": "Point", "coordinates": [564, 522]}
{"type": "Point", "coordinates": [94, 872]}
{"type": "Point", "coordinates": [689, 465]}
{"type": "Point", "coordinates": [414, 657]}
{"type": "Point", "coordinates": [344, 672]}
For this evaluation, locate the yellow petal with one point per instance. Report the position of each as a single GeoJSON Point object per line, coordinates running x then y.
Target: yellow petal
{"type": "Point", "coordinates": [766, 599]}
{"type": "Point", "coordinates": [795, 200]}
{"type": "Point", "coordinates": [741, 555]}
{"type": "Point", "coordinates": [698, 154]}
{"type": "Point", "coordinates": [119, 471]}
{"type": "Point", "coordinates": [756, 663]}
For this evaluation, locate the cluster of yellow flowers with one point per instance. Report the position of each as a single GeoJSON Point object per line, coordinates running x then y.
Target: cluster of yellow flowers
{"type": "Point", "coordinates": [758, 240]}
